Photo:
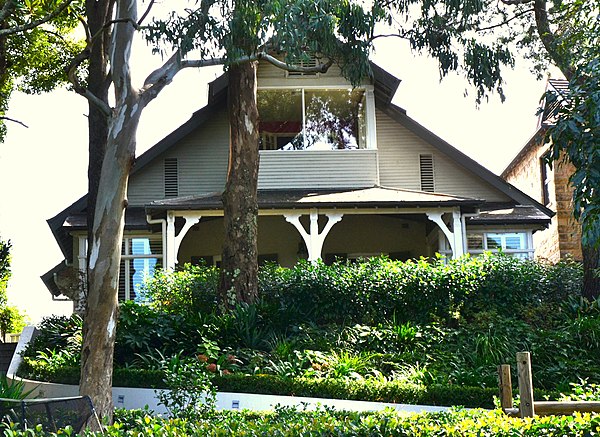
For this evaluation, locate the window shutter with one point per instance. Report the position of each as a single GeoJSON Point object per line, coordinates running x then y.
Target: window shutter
{"type": "Point", "coordinates": [427, 176]}
{"type": "Point", "coordinates": [171, 177]}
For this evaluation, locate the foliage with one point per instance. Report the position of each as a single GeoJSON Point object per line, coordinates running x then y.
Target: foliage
{"type": "Point", "coordinates": [323, 421]}
{"type": "Point", "coordinates": [11, 319]}
{"type": "Point", "coordinates": [190, 391]}
{"type": "Point", "coordinates": [13, 389]}
{"type": "Point", "coordinates": [485, 310]}
{"type": "Point", "coordinates": [34, 60]}
{"type": "Point", "coordinates": [575, 138]}
{"type": "Point", "coordinates": [4, 268]}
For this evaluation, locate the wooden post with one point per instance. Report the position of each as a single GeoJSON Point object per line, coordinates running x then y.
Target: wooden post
{"type": "Point", "coordinates": [525, 384]}
{"type": "Point", "coordinates": [505, 385]}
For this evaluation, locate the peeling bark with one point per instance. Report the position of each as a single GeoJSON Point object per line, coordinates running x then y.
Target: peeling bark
{"type": "Point", "coordinates": [239, 264]}
{"type": "Point", "coordinates": [99, 329]}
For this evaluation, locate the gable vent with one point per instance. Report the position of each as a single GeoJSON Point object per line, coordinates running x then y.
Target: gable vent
{"type": "Point", "coordinates": [310, 62]}
{"type": "Point", "coordinates": [427, 176]}
{"type": "Point", "coordinates": [171, 177]}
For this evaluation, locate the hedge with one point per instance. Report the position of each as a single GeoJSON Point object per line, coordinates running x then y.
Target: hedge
{"type": "Point", "coordinates": [364, 390]}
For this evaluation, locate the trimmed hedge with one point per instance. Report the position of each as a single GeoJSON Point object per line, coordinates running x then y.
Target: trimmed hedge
{"type": "Point", "coordinates": [364, 390]}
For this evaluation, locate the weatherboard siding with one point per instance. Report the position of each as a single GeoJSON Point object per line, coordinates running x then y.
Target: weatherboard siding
{"type": "Point", "coordinates": [202, 160]}
{"type": "Point", "coordinates": [399, 151]}
{"type": "Point", "coordinates": [317, 169]}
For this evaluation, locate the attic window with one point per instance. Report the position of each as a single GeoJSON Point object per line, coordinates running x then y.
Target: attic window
{"type": "Point", "coordinates": [310, 62]}
{"type": "Point", "coordinates": [427, 176]}
{"type": "Point", "coordinates": [171, 177]}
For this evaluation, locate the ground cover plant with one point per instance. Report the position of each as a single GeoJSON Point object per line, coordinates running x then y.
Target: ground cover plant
{"type": "Point", "coordinates": [418, 331]}
{"type": "Point", "coordinates": [323, 422]}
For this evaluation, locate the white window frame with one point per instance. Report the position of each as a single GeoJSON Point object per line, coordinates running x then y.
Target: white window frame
{"type": "Point", "coordinates": [125, 255]}
{"type": "Point", "coordinates": [528, 250]}
{"type": "Point", "coordinates": [371, 134]}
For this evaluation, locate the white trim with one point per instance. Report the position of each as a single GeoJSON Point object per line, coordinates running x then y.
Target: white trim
{"type": "Point", "coordinates": [313, 240]}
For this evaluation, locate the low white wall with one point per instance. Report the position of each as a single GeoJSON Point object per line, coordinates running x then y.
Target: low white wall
{"type": "Point", "coordinates": [134, 398]}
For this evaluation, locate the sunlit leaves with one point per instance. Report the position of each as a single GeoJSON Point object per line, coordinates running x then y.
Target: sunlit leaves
{"type": "Point", "coordinates": [576, 134]}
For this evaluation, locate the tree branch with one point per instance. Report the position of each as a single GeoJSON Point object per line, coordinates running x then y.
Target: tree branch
{"type": "Point", "coordinates": [493, 26]}
{"type": "Point", "coordinates": [516, 2]}
{"type": "Point", "coordinates": [7, 9]}
{"type": "Point", "coordinates": [321, 68]}
{"type": "Point", "coordinates": [36, 23]}
{"type": "Point", "coordinates": [549, 39]}
{"type": "Point", "coordinates": [120, 54]}
{"type": "Point", "coordinates": [2, 117]}
{"type": "Point", "coordinates": [141, 20]}
{"type": "Point", "coordinates": [80, 89]}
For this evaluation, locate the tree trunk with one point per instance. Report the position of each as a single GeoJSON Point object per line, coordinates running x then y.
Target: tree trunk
{"type": "Point", "coordinates": [591, 272]}
{"type": "Point", "coordinates": [239, 264]}
{"type": "Point", "coordinates": [98, 13]}
{"type": "Point", "coordinates": [99, 327]}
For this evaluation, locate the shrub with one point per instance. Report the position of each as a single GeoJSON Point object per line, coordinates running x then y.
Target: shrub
{"type": "Point", "coordinates": [290, 422]}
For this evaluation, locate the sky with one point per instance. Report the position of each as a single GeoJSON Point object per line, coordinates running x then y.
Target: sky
{"type": "Point", "coordinates": [44, 166]}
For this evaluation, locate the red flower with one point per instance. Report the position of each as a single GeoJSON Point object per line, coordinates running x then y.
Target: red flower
{"type": "Point", "coordinates": [226, 372]}
{"type": "Point", "coordinates": [203, 358]}
{"type": "Point", "coordinates": [231, 359]}
{"type": "Point", "coordinates": [212, 367]}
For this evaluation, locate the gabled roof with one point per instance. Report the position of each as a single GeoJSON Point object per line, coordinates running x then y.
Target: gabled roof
{"type": "Point", "coordinates": [520, 198]}
{"type": "Point", "coordinates": [385, 85]}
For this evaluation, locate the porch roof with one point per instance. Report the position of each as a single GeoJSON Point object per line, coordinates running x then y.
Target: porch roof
{"type": "Point", "coordinates": [519, 214]}
{"type": "Point", "coordinates": [373, 197]}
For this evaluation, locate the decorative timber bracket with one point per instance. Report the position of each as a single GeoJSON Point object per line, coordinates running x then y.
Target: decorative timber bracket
{"type": "Point", "coordinates": [314, 239]}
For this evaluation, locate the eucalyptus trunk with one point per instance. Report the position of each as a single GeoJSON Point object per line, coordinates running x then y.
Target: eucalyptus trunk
{"type": "Point", "coordinates": [100, 323]}
{"type": "Point", "coordinates": [98, 13]}
{"type": "Point", "coordinates": [239, 263]}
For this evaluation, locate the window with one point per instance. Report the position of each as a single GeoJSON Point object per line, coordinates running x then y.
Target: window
{"type": "Point", "coordinates": [512, 243]}
{"type": "Point", "coordinates": [140, 256]}
{"type": "Point", "coordinates": [305, 119]}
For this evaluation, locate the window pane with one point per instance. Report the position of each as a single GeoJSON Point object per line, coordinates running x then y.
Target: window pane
{"type": "Point", "coordinates": [280, 114]}
{"type": "Point", "coordinates": [145, 246]}
{"type": "Point", "coordinates": [475, 241]}
{"type": "Point", "coordinates": [494, 241]}
{"type": "Point", "coordinates": [140, 270]}
{"type": "Point", "coordinates": [334, 119]}
{"type": "Point", "coordinates": [515, 241]}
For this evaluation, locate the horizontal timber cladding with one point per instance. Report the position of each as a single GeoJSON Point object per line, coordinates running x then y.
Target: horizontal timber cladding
{"type": "Point", "coordinates": [317, 169]}
{"type": "Point", "coordinates": [399, 151]}
{"type": "Point", "coordinates": [202, 158]}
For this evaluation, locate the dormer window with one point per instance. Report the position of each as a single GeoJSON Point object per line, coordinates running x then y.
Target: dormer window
{"type": "Point", "coordinates": [312, 119]}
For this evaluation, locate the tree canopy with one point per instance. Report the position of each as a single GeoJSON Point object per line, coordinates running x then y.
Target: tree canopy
{"type": "Point", "coordinates": [36, 44]}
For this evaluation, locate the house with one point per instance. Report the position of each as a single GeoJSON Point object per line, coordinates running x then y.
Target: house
{"type": "Point", "coordinates": [550, 186]}
{"type": "Point", "coordinates": [343, 173]}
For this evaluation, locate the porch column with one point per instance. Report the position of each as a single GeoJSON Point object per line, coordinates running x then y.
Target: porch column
{"type": "Point", "coordinates": [174, 240]}
{"type": "Point", "coordinates": [313, 240]}
{"type": "Point", "coordinates": [455, 237]}
{"type": "Point", "coordinates": [170, 254]}
{"type": "Point", "coordinates": [459, 234]}
{"type": "Point", "coordinates": [190, 220]}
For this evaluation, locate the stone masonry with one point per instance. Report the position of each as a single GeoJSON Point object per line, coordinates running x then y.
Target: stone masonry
{"type": "Point", "coordinates": [563, 236]}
